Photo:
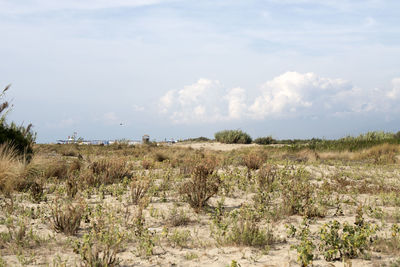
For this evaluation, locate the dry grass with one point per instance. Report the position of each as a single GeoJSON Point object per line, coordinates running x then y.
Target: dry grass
{"type": "Point", "coordinates": [194, 202]}
{"type": "Point", "coordinates": [11, 168]}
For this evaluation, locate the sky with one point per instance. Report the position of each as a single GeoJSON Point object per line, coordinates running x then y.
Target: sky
{"type": "Point", "coordinates": [113, 69]}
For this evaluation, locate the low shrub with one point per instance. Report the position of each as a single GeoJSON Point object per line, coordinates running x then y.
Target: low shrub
{"type": "Point", "coordinates": [66, 218]}
{"type": "Point", "coordinates": [57, 169]}
{"type": "Point", "coordinates": [99, 249]}
{"type": "Point", "coordinates": [139, 187]}
{"type": "Point", "coordinates": [147, 164]}
{"type": "Point", "coordinates": [245, 230]}
{"type": "Point", "coordinates": [160, 156]}
{"type": "Point", "coordinates": [108, 171]}
{"type": "Point", "coordinates": [20, 137]}
{"type": "Point", "coordinates": [264, 140]}
{"type": "Point", "coordinates": [180, 238]}
{"type": "Point", "coordinates": [345, 241]}
{"type": "Point", "coordinates": [233, 137]}
{"type": "Point", "coordinates": [203, 184]}
{"type": "Point", "coordinates": [305, 248]}
{"type": "Point", "coordinates": [299, 194]}
{"type": "Point", "coordinates": [178, 217]}
{"type": "Point", "coordinates": [252, 161]}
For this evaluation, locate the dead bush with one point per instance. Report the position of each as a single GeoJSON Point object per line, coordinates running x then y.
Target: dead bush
{"type": "Point", "coordinates": [139, 187]}
{"type": "Point", "coordinates": [57, 169]}
{"type": "Point", "coordinates": [252, 161]}
{"type": "Point", "coordinates": [66, 218]}
{"type": "Point", "coordinates": [72, 186]}
{"type": "Point", "coordinates": [204, 184]}
{"type": "Point", "coordinates": [147, 164]}
{"type": "Point", "coordinates": [160, 156]}
{"type": "Point", "coordinates": [108, 171]}
{"type": "Point", "coordinates": [382, 154]}
{"type": "Point", "coordinates": [36, 191]}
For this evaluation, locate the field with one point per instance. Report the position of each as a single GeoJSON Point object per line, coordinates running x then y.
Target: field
{"type": "Point", "coordinates": [200, 204]}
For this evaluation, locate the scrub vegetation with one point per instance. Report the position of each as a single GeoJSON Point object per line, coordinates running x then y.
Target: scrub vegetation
{"type": "Point", "coordinates": [254, 206]}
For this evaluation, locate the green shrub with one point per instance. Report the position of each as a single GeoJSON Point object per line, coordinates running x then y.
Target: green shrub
{"type": "Point", "coordinates": [233, 137]}
{"type": "Point", "coordinates": [299, 195]}
{"type": "Point", "coordinates": [245, 230]}
{"type": "Point", "coordinates": [345, 241]}
{"type": "Point", "coordinates": [264, 140]}
{"type": "Point", "coordinates": [20, 137]}
{"type": "Point", "coordinates": [305, 249]}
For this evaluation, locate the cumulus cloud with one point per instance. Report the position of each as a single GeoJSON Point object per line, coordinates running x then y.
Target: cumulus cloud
{"type": "Point", "coordinates": [395, 92]}
{"type": "Point", "coordinates": [198, 102]}
{"type": "Point", "coordinates": [290, 94]}
{"type": "Point", "coordinates": [236, 103]}
{"type": "Point", "coordinates": [294, 93]}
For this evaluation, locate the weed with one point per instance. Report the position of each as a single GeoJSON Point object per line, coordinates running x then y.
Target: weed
{"type": "Point", "coordinates": [305, 249]}
{"type": "Point", "coordinates": [180, 238]}
{"type": "Point", "coordinates": [203, 184]}
{"type": "Point", "coordinates": [346, 241]}
{"type": "Point", "coordinates": [298, 194]}
{"type": "Point", "coordinates": [110, 170]}
{"type": "Point", "coordinates": [57, 169]}
{"type": "Point", "coordinates": [10, 169]}
{"type": "Point", "coordinates": [266, 184]}
{"type": "Point", "coordinates": [71, 186]}
{"type": "Point", "coordinates": [99, 249]}
{"type": "Point", "coordinates": [178, 217]}
{"type": "Point", "coordinates": [66, 218]}
{"type": "Point", "coordinates": [191, 256]}
{"type": "Point", "coordinates": [252, 161]}
{"type": "Point", "coordinates": [139, 187]}
{"type": "Point", "coordinates": [245, 230]}
{"type": "Point", "coordinates": [147, 164]}
{"type": "Point", "coordinates": [36, 191]}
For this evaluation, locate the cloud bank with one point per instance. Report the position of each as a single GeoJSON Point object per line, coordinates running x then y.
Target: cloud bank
{"type": "Point", "coordinates": [291, 94]}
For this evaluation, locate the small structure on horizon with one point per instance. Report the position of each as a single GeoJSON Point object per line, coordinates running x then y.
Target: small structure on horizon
{"type": "Point", "coordinates": [145, 139]}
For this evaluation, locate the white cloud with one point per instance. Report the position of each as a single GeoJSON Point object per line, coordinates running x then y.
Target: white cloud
{"type": "Point", "coordinates": [198, 102]}
{"type": "Point", "coordinates": [166, 101]}
{"type": "Point", "coordinates": [292, 91]}
{"type": "Point", "coordinates": [236, 103]}
{"type": "Point", "coordinates": [291, 94]}
{"type": "Point", "coordinates": [191, 94]}
{"type": "Point", "coordinates": [395, 92]}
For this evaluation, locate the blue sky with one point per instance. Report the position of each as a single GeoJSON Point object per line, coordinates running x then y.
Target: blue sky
{"type": "Point", "coordinates": [170, 68]}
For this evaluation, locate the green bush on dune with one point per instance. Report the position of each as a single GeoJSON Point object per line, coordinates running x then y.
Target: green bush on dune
{"type": "Point", "coordinates": [20, 137]}
{"type": "Point", "coordinates": [233, 137]}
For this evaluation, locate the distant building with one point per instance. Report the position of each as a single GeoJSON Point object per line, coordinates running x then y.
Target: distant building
{"type": "Point", "coordinates": [146, 139]}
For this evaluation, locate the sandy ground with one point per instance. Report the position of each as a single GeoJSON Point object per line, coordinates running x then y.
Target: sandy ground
{"type": "Point", "coordinates": [215, 146]}
{"type": "Point", "coordinates": [201, 249]}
